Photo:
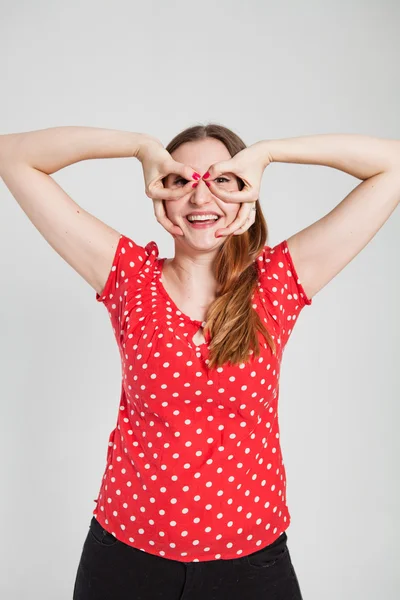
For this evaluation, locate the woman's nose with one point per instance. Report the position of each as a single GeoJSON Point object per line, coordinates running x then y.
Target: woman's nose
{"type": "Point", "coordinates": [201, 191]}
{"type": "Point", "coordinates": [201, 186]}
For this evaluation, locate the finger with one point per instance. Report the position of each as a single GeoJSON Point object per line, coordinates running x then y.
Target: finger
{"type": "Point", "coordinates": [239, 221]}
{"type": "Point", "coordinates": [244, 195]}
{"type": "Point", "coordinates": [185, 171]}
{"type": "Point", "coordinates": [161, 215]}
{"type": "Point", "coordinates": [249, 222]}
{"type": "Point", "coordinates": [217, 169]}
{"type": "Point", "coordinates": [157, 193]}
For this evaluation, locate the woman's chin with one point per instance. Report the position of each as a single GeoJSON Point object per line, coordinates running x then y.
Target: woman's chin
{"type": "Point", "coordinates": [200, 240]}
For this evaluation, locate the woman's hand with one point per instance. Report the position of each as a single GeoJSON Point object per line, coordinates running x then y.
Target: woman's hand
{"type": "Point", "coordinates": [157, 163]}
{"type": "Point", "coordinates": [248, 165]}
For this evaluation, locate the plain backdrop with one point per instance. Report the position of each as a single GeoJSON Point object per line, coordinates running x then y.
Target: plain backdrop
{"type": "Point", "coordinates": [267, 70]}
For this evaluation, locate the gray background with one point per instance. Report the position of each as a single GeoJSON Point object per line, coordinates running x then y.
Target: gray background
{"type": "Point", "coordinates": [267, 70]}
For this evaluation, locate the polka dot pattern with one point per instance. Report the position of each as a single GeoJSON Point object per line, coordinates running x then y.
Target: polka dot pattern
{"type": "Point", "coordinates": [194, 469]}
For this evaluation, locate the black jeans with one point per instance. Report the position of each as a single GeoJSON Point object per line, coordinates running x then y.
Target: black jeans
{"type": "Point", "coordinates": [111, 570]}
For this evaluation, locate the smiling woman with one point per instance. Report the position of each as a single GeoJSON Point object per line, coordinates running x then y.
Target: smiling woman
{"type": "Point", "coordinates": [194, 470]}
{"type": "Point", "coordinates": [226, 271]}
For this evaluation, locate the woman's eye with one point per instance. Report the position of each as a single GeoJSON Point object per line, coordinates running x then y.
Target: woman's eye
{"type": "Point", "coordinates": [180, 179]}
{"type": "Point", "coordinates": [185, 180]}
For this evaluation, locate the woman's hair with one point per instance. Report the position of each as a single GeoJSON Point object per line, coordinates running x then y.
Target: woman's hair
{"type": "Point", "coordinates": [231, 320]}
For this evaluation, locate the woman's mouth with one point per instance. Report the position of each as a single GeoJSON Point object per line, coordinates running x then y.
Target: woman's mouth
{"type": "Point", "coordinates": [202, 223]}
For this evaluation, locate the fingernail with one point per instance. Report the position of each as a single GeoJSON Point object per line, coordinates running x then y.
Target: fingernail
{"type": "Point", "coordinates": [195, 185]}
{"type": "Point", "coordinates": [207, 184]}
{"type": "Point", "coordinates": [206, 175]}
{"type": "Point", "coordinates": [196, 176]}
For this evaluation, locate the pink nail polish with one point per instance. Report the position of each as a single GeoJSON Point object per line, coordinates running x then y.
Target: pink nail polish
{"type": "Point", "coordinates": [195, 185]}
{"type": "Point", "coordinates": [206, 175]}
{"type": "Point", "coordinates": [207, 184]}
{"type": "Point", "coordinates": [196, 176]}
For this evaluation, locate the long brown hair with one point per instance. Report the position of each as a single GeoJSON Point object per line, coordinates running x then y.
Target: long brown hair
{"type": "Point", "coordinates": [231, 320]}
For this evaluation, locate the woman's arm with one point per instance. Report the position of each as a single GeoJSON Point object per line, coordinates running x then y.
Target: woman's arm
{"type": "Point", "coordinates": [323, 249]}
{"type": "Point", "coordinates": [27, 161]}
{"type": "Point", "coordinates": [359, 155]}
{"type": "Point", "coordinates": [49, 150]}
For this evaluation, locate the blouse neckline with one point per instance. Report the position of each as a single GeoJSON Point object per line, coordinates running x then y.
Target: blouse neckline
{"type": "Point", "coordinates": [169, 299]}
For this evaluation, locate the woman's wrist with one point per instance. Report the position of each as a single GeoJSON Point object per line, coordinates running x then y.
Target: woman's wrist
{"type": "Point", "coordinates": [264, 147]}
{"type": "Point", "coordinates": [143, 142]}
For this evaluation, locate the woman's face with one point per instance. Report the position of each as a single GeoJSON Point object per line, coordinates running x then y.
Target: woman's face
{"type": "Point", "coordinates": [200, 155]}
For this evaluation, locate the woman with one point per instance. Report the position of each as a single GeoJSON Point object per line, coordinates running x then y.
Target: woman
{"type": "Point", "coordinates": [193, 499]}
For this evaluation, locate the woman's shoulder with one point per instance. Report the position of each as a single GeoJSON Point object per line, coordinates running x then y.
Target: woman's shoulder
{"type": "Point", "coordinates": [132, 262]}
{"type": "Point", "coordinates": [278, 275]}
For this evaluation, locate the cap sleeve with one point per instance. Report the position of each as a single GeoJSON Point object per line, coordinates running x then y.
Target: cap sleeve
{"type": "Point", "coordinates": [128, 269]}
{"type": "Point", "coordinates": [281, 288]}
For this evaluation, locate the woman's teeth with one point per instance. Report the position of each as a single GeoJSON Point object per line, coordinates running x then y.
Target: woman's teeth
{"type": "Point", "coordinates": [202, 218]}
{"type": "Point", "coordinates": [203, 221]}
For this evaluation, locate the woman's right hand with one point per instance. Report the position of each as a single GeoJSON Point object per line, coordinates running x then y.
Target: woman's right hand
{"type": "Point", "coordinates": [157, 163]}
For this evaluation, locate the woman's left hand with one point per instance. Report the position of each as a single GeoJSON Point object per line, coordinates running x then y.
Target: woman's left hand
{"type": "Point", "coordinates": [248, 165]}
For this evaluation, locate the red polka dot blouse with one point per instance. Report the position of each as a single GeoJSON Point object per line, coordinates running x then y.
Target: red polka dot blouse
{"type": "Point", "coordinates": [194, 469]}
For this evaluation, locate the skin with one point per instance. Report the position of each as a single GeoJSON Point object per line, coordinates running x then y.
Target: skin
{"type": "Point", "coordinates": [189, 273]}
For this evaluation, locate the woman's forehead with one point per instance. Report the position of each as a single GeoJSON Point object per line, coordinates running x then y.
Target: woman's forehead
{"type": "Point", "coordinates": [201, 153]}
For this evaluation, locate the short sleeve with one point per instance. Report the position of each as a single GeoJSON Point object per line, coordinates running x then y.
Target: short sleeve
{"type": "Point", "coordinates": [281, 288]}
{"type": "Point", "coordinates": [130, 266]}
